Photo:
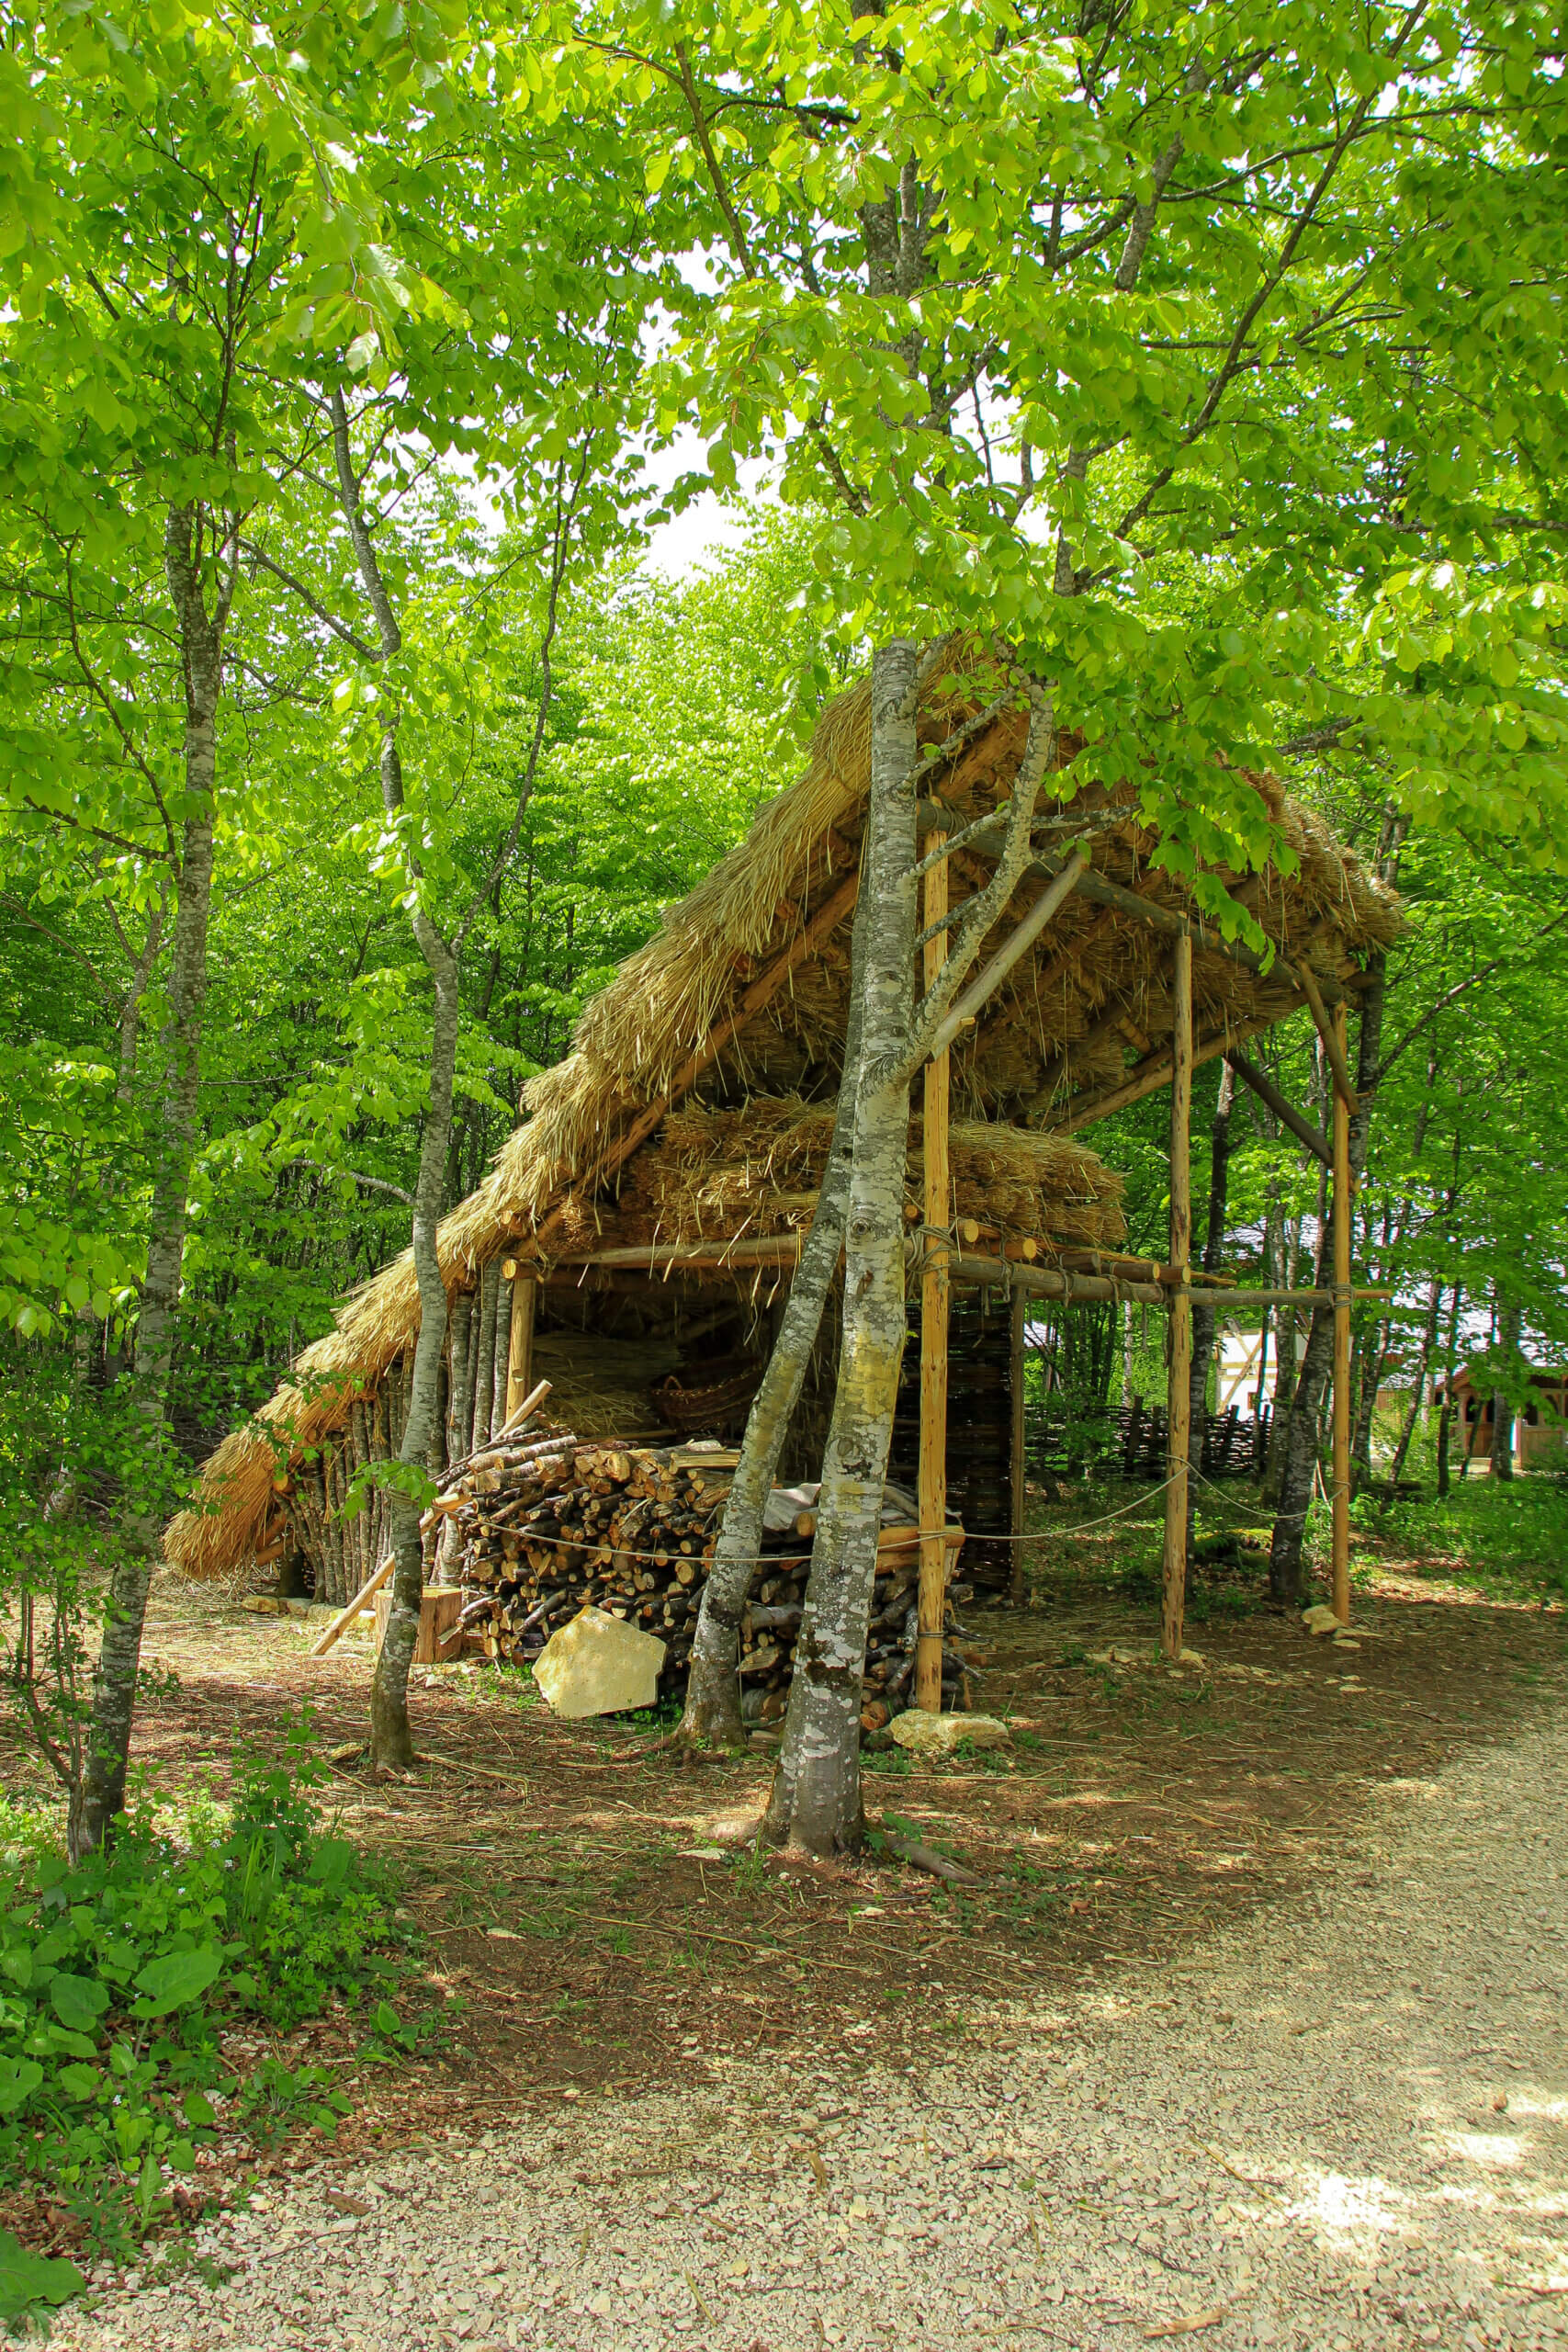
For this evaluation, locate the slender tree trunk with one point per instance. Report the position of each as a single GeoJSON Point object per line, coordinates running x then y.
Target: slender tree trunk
{"type": "Point", "coordinates": [502, 1358]}
{"type": "Point", "coordinates": [1374, 1353]}
{"type": "Point", "coordinates": [100, 1794]}
{"type": "Point", "coordinates": [1428, 1345]}
{"type": "Point", "coordinates": [1510, 1321]}
{"type": "Point", "coordinates": [1204, 1308]}
{"type": "Point", "coordinates": [391, 1740]}
{"type": "Point", "coordinates": [1446, 1413]}
{"type": "Point", "coordinates": [816, 1804]}
{"type": "Point", "coordinates": [713, 1687]}
{"type": "Point", "coordinates": [484, 1359]}
{"type": "Point", "coordinates": [1300, 1436]}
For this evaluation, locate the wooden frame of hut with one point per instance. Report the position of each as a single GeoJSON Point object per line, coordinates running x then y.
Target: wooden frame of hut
{"type": "Point", "coordinates": [641, 1222]}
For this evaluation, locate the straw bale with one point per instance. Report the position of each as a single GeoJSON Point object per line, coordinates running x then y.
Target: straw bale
{"type": "Point", "coordinates": [754, 1167]}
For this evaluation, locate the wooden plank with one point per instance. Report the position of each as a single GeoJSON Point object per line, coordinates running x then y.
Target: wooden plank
{"type": "Point", "coordinates": [1179, 1394]}
{"type": "Point", "coordinates": [364, 1599]}
{"type": "Point", "coordinates": [1284, 1110]}
{"type": "Point", "coordinates": [1016, 1463]}
{"type": "Point", "coordinates": [519, 1361]}
{"type": "Point", "coordinates": [806, 942]}
{"type": "Point", "coordinates": [935, 1297]}
{"type": "Point", "coordinates": [1343, 1211]}
{"type": "Point", "coordinates": [439, 1636]}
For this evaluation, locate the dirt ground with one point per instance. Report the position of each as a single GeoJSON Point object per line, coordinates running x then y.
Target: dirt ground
{"type": "Point", "coordinates": [585, 1928]}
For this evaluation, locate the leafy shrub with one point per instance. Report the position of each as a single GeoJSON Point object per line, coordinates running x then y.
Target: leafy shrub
{"type": "Point", "coordinates": [117, 1977]}
{"type": "Point", "coordinates": [1508, 1536]}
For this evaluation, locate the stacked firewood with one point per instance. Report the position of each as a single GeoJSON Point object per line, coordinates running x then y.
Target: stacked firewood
{"type": "Point", "coordinates": [535, 1531]}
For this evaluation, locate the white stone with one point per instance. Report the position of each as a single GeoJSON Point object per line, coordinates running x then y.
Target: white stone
{"type": "Point", "coordinates": [929, 1734]}
{"type": "Point", "coordinates": [598, 1665]}
{"type": "Point", "coordinates": [1319, 1618]}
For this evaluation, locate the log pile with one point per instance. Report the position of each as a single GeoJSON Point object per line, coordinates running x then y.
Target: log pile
{"type": "Point", "coordinates": [535, 1532]}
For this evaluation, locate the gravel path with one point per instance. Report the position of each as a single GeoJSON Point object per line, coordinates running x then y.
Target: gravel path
{"type": "Point", "coordinates": [1343, 2125]}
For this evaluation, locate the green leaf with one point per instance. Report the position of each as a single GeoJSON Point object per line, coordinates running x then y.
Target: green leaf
{"type": "Point", "coordinates": [178, 1978]}
{"type": "Point", "coordinates": [78, 2001]}
{"type": "Point", "coordinates": [199, 2111]}
{"type": "Point", "coordinates": [78, 2081]}
{"type": "Point", "coordinates": [27, 2278]}
{"type": "Point", "coordinates": [19, 2077]}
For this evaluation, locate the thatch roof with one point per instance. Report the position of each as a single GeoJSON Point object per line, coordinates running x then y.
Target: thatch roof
{"type": "Point", "coordinates": [1094, 988]}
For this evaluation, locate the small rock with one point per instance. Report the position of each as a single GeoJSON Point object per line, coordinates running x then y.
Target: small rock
{"type": "Point", "coordinates": [929, 1734]}
{"type": "Point", "coordinates": [598, 1665]}
{"type": "Point", "coordinates": [738, 1827]}
{"type": "Point", "coordinates": [699, 1853]}
{"type": "Point", "coordinates": [1319, 1618]}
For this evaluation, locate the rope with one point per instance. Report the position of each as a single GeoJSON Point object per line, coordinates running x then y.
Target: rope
{"type": "Point", "coordinates": [914, 1534]}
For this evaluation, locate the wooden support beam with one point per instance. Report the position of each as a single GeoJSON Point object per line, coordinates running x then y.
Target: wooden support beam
{"type": "Point", "coordinates": [1329, 1031]}
{"type": "Point", "coordinates": [1018, 942]}
{"type": "Point", "coordinates": [1233, 1301]}
{"type": "Point", "coordinates": [971, 1270]}
{"type": "Point", "coordinates": [720, 1257]}
{"type": "Point", "coordinates": [1149, 1076]}
{"type": "Point", "coordinates": [1178, 1400]}
{"type": "Point", "coordinates": [1284, 1110]}
{"type": "Point", "coordinates": [807, 940]}
{"type": "Point", "coordinates": [525, 1284]}
{"type": "Point", "coordinates": [935, 1297]}
{"type": "Point", "coordinates": [1342, 1215]}
{"type": "Point", "coordinates": [671, 1284]}
{"type": "Point", "coordinates": [1019, 1484]}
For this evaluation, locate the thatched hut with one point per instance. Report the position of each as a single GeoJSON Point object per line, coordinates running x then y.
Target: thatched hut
{"type": "Point", "coordinates": [633, 1235]}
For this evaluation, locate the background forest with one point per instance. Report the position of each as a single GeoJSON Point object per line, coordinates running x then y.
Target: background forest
{"type": "Point", "coordinates": [675, 712]}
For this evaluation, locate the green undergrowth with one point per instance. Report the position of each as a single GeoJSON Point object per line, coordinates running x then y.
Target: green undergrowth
{"type": "Point", "coordinates": [1508, 1537]}
{"type": "Point", "coordinates": [124, 1981]}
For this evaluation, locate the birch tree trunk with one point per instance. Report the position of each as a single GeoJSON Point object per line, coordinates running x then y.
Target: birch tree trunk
{"type": "Point", "coordinates": [391, 1742]}
{"type": "Point", "coordinates": [1204, 1309]}
{"type": "Point", "coordinates": [713, 1688]}
{"type": "Point", "coordinates": [815, 1804]}
{"type": "Point", "coordinates": [484, 1356]}
{"type": "Point", "coordinates": [100, 1792]}
{"type": "Point", "coordinates": [1300, 1437]}
{"type": "Point", "coordinates": [1510, 1321]}
{"type": "Point", "coordinates": [1413, 1414]}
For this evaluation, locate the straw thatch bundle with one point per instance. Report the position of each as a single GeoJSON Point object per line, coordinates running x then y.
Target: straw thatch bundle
{"type": "Point", "coordinates": [1093, 990]}
{"type": "Point", "coordinates": [754, 1167]}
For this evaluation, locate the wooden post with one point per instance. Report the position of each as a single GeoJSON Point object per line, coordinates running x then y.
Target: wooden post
{"type": "Point", "coordinates": [935, 1293]}
{"type": "Point", "coordinates": [520, 1363]}
{"type": "Point", "coordinates": [1015, 1374]}
{"type": "Point", "coordinates": [1178, 1397]}
{"type": "Point", "coordinates": [1342, 1214]}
